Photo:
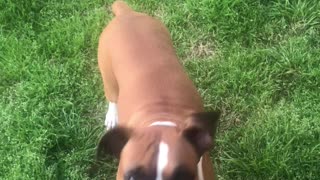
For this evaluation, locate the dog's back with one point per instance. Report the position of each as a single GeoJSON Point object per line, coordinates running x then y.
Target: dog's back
{"type": "Point", "coordinates": [145, 64]}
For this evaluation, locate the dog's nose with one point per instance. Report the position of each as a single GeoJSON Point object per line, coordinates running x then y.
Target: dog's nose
{"type": "Point", "coordinates": [182, 173]}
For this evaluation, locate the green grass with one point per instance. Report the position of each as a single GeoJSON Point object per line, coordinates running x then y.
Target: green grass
{"type": "Point", "coordinates": [256, 60]}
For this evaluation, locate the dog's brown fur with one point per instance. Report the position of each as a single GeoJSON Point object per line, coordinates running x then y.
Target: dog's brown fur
{"type": "Point", "coordinates": [142, 74]}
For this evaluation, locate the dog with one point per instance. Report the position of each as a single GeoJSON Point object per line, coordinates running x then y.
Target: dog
{"type": "Point", "coordinates": [156, 124]}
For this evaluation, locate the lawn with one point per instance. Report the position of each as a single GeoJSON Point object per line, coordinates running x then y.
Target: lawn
{"type": "Point", "coordinates": [256, 60]}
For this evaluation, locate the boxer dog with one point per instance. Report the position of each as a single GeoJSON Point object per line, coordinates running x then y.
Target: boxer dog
{"type": "Point", "coordinates": [156, 124]}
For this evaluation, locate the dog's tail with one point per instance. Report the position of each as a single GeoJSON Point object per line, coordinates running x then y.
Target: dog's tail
{"type": "Point", "coordinates": [119, 7]}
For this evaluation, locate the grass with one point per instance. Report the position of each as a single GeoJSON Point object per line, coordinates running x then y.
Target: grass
{"type": "Point", "coordinates": [257, 61]}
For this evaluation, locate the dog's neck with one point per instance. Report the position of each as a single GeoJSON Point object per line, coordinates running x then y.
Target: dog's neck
{"type": "Point", "coordinates": [152, 112]}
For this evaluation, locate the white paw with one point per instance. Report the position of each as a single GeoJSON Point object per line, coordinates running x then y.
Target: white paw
{"type": "Point", "coordinates": [111, 120]}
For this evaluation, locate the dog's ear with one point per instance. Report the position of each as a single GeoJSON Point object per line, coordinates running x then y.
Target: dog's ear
{"type": "Point", "coordinates": [113, 141]}
{"type": "Point", "coordinates": [200, 130]}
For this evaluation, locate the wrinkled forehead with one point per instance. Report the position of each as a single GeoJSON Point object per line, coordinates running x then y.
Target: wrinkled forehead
{"type": "Point", "coordinates": [158, 157]}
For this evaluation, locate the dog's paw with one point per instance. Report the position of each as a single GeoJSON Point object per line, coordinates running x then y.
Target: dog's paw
{"type": "Point", "coordinates": [111, 120]}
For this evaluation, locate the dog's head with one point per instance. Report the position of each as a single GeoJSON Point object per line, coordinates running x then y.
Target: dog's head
{"type": "Point", "coordinates": [160, 152]}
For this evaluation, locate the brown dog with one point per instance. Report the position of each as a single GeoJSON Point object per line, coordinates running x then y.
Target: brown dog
{"type": "Point", "coordinates": [162, 132]}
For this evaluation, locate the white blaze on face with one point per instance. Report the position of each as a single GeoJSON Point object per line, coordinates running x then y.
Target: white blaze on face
{"type": "Point", "coordinates": [162, 159]}
{"type": "Point", "coordinates": [200, 170]}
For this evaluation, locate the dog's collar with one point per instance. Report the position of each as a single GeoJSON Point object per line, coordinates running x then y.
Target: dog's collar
{"type": "Point", "coordinates": [163, 123]}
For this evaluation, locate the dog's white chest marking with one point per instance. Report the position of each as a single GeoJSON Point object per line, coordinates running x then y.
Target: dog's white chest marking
{"type": "Point", "coordinates": [111, 120]}
{"type": "Point", "coordinates": [162, 159]}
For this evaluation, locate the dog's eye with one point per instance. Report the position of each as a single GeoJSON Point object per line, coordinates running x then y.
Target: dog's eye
{"type": "Point", "coordinates": [132, 175]}
{"type": "Point", "coordinates": [128, 178]}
